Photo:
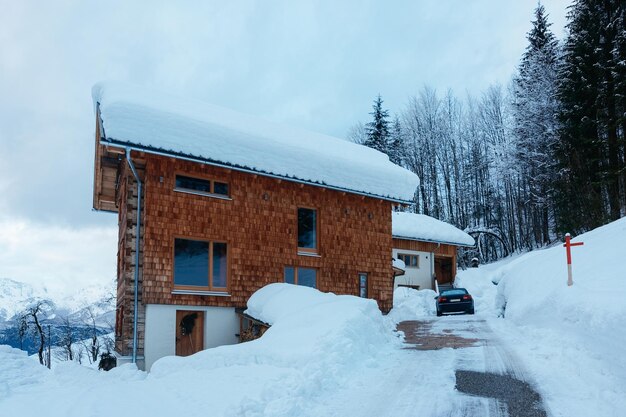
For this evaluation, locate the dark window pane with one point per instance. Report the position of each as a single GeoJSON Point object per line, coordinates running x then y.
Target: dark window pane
{"type": "Point", "coordinates": [307, 277]}
{"type": "Point", "coordinates": [220, 188]}
{"type": "Point", "coordinates": [191, 262]}
{"type": "Point", "coordinates": [219, 265]}
{"type": "Point", "coordinates": [194, 184]}
{"type": "Point", "coordinates": [307, 228]}
{"type": "Point", "coordinates": [363, 285]}
{"type": "Point", "coordinates": [290, 277]}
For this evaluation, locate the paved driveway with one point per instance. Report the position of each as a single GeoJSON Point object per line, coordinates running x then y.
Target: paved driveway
{"type": "Point", "coordinates": [453, 366]}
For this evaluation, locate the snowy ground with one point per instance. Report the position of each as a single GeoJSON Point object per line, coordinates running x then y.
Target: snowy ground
{"type": "Point", "coordinates": [328, 355]}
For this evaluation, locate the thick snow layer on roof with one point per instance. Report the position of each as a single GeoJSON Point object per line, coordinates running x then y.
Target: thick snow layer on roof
{"type": "Point", "coordinates": [399, 263]}
{"type": "Point", "coordinates": [426, 228]}
{"type": "Point", "coordinates": [144, 118]}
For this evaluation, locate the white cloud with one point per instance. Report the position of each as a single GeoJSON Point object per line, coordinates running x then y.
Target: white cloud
{"type": "Point", "coordinates": [62, 260]}
{"type": "Point", "coordinates": [316, 65]}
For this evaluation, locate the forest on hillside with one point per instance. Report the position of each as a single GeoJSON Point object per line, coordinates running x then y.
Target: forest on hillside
{"type": "Point", "coordinates": [521, 165]}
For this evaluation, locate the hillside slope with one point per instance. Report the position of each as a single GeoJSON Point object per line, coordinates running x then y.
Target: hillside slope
{"type": "Point", "coordinates": [572, 337]}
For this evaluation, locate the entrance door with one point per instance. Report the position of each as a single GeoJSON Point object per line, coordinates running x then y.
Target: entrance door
{"type": "Point", "coordinates": [443, 269]}
{"type": "Point", "coordinates": [189, 332]}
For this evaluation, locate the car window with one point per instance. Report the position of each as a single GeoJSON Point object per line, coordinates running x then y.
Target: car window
{"type": "Point", "coordinates": [454, 292]}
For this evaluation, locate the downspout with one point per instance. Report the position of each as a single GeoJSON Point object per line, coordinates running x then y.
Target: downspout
{"type": "Point", "coordinates": [138, 236]}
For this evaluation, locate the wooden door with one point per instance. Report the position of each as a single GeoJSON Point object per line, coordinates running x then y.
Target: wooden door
{"type": "Point", "coordinates": [443, 269]}
{"type": "Point", "coordinates": [189, 332]}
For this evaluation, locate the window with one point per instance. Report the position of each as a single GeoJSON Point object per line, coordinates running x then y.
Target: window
{"type": "Point", "coordinates": [200, 265]}
{"type": "Point", "coordinates": [307, 230]}
{"type": "Point", "coordinates": [201, 186]}
{"type": "Point", "coordinates": [301, 276]}
{"type": "Point", "coordinates": [363, 285]}
{"type": "Point", "coordinates": [411, 261]}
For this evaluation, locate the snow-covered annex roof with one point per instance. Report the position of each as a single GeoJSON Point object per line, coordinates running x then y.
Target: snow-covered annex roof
{"type": "Point", "coordinates": [428, 229]}
{"type": "Point", "coordinates": [160, 123]}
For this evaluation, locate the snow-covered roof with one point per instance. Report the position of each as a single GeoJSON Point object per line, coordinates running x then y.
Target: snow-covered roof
{"type": "Point", "coordinates": [428, 229]}
{"type": "Point", "coordinates": [158, 122]}
{"type": "Point", "coordinates": [399, 263]}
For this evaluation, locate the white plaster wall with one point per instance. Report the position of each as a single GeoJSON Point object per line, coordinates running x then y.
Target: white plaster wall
{"type": "Point", "coordinates": [421, 276]}
{"type": "Point", "coordinates": [221, 324]}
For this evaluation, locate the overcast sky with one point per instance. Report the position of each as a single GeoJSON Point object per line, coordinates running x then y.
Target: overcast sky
{"type": "Point", "coordinates": [315, 65]}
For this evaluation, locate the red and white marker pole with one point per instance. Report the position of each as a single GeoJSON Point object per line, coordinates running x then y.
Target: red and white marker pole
{"type": "Point", "coordinates": [568, 244]}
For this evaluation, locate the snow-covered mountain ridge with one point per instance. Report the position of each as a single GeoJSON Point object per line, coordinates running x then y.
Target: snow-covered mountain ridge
{"type": "Point", "coordinates": [15, 296]}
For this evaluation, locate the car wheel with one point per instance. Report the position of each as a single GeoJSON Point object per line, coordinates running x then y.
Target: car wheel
{"type": "Point", "coordinates": [471, 311]}
{"type": "Point", "coordinates": [438, 313]}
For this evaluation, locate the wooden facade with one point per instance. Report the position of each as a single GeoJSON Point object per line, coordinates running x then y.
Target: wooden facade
{"type": "Point", "coordinates": [258, 221]}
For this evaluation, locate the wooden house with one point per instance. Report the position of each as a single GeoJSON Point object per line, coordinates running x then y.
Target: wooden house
{"type": "Point", "coordinates": [212, 205]}
{"type": "Point", "coordinates": [428, 249]}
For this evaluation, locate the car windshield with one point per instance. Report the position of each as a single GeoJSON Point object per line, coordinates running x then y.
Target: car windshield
{"type": "Point", "coordinates": [450, 293]}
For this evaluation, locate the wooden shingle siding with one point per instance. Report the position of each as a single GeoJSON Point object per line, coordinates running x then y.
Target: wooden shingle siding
{"type": "Point", "coordinates": [259, 222]}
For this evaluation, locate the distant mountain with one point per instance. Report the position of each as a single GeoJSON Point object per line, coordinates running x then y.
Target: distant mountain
{"type": "Point", "coordinates": [95, 300]}
{"type": "Point", "coordinates": [87, 306]}
{"type": "Point", "coordinates": [13, 296]}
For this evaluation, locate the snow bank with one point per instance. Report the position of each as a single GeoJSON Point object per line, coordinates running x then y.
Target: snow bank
{"type": "Point", "coordinates": [534, 286]}
{"type": "Point", "coordinates": [309, 328]}
{"type": "Point", "coordinates": [157, 121]}
{"type": "Point", "coordinates": [318, 343]}
{"type": "Point", "coordinates": [429, 229]}
{"type": "Point", "coordinates": [314, 344]}
{"type": "Point", "coordinates": [17, 370]}
{"type": "Point", "coordinates": [569, 337]}
{"type": "Point", "coordinates": [410, 304]}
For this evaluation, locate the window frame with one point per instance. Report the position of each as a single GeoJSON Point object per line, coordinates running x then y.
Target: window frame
{"type": "Point", "coordinates": [295, 274]}
{"type": "Point", "coordinates": [210, 180]}
{"type": "Point", "coordinates": [402, 255]}
{"type": "Point", "coordinates": [367, 284]}
{"type": "Point", "coordinates": [208, 288]}
{"type": "Point", "coordinates": [309, 251]}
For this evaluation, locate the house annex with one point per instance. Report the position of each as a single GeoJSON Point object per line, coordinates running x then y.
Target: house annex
{"type": "Point", "coordinates": [428, 249]}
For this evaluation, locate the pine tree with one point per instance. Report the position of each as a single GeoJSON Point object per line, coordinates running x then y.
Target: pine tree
{"type": "Point", "coordinates": [378, 128]}
{"type": "Point", "coordinates": [535, 109]}
{"type": "Point", "coordinates": [591, 143]}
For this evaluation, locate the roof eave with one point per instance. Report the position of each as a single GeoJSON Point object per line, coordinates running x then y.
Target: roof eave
{"type": "Point", "coordinates": [179, 155]}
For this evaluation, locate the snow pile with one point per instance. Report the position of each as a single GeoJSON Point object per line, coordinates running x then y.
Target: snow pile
{"type": "Point", "coordinates": [410, 304]}
{"type": "Point", "coordinates": [317, 344]}
{"type": "Point", "coordinates": [160, 122]}
{"type": "Point", "coordinates": [534, 286]}
{"type": "Point", "coordinates": [481, 284]}
{"type": "Point", "coordinates": [18, 370]}
{"type": "Point", "coordinates": [428, 229]}
{"type": "Point", "coordinates": [316, 341]}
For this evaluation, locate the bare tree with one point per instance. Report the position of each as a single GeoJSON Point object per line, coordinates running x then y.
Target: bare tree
{"type": "Point", "coordinates": [36, 311]}
{"type": "Point", "coordinates": [357, 133]}
{"type": "Point", "coordinates": [67, 338]}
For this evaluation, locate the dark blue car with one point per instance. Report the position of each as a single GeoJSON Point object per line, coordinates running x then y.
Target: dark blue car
{"type": "Point", "coordinates": [455, 300]}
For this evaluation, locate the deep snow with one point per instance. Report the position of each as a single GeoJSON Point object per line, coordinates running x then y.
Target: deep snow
{"type": "Point", "coordinates": [333, 355]}
{"type": "Point", "coordinates": [570, 338]}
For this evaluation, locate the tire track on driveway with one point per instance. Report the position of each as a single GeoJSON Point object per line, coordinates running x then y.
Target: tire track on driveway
{"type": "Point", "coordinates": [484, 366]}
